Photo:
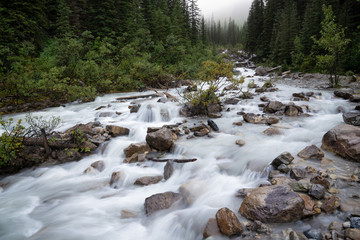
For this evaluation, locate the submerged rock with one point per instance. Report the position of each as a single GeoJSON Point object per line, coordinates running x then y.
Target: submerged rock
{"type": "Point", "coordinates": [272, 204]}
{"type": "Point", "coordinates": [344, 140]}
{"type": "Point", "coordinates": [145, 181]}
{"type": "Point", "coordinates": [314, 234]}
{"type": "Point", "coordinates": [160, 201]}
{"type": "Point", "coordinates": [99, 165]}
{"type": "Point", "coordinates": [211, 228]}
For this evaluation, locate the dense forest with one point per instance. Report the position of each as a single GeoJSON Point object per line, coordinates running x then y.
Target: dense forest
{"type": "Point", "coordinates": [305, 34]}
{"type": "Point", "coordinates": [69, 50]}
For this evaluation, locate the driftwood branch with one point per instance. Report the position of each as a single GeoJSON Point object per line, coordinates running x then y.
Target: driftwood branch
{"type": "Point", "coordinates": [273, 69]}
{"type": "Point", "coordinates": [136, 97]}
{"type": "Point", "coordinates": [173, 160]}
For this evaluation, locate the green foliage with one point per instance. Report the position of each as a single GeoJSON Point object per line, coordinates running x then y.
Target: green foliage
{"type": "Point", "coordinates": [333, 41]}
{"type": "Point", "coordinates": [37, 124]}
{"type": "Point", "coordinates": [213, 76]}
{"type": "Point", "coordinates": [11, 141]}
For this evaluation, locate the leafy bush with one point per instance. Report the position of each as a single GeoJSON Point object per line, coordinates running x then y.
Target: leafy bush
{"type": "Point", "coordinates": [11, 141]}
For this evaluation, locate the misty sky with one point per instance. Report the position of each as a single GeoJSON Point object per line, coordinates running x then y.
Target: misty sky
{"type": "Point", "coordinates": [224, 9]}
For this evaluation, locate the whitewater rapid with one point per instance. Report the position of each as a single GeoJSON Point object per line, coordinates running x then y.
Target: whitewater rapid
{"type": "Point", "coordinates": [61, 202]}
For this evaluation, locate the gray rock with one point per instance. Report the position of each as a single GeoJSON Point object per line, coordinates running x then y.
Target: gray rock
{"type": "Point", "coordinates": [314, 234]}
{"type": "Point", "coordinates": [134, 108]}
{"type": "Point", "coordinates": [272, 204]}
{"type": "Point", "coordinates": [116, 131]}
{"type": "Point", "coordinates": [273, 131]}
{"type": "Point", "coordinates": [317, 191]}
{"type": "Point", "coordinates": [138, 148]}
{"type": "Point", "coordinates": [168, 170]}
{"type": "Point", "coordinates": [344, 93]}
{"type": "Point", "coordinates": [355, 98]}
{"type": "Point", "coordinates": [161, 140]}
{"type": "Point", "coordinates": [145, 181]}
{"type": "Point", "coordinates": [352, 118]}
{"type": "Point", "coordinates": [297, 173]}
{"type": "Point", "coordinates": [99, 165]}
{"type": "Point", "coordinates": [311, 152]}
{"type": "Point", "coordinates": [253, 118]}
{"type": "Point", "coordinates": [211, 229]}
{"type": "Point", "coordinates": [160, 201]}
{"type": "Point", "coordinates": [284, 168]}
{"type": "Point", "coordinates": [213, 125]}
{"type": "Point", "coordinates": [284, 158]}
{"type": "Point", "coordinates": [344, 140]}
{"type": "Point", "coordinates": [355, 222]}
{"type": "Point", "coordinates": [320, 180]}
{"type": "Point", "coordinates": [273, 107]}
{"type": "Point", "coordinates": [300, 186]}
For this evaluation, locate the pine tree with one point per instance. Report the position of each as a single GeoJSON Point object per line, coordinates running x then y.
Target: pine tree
{"type": "Point", "coordinates": [255, 26]}
{"type": "Point", "coordinates": [333, 41]}
{"type": "Point", "coordinates": [194, 16]}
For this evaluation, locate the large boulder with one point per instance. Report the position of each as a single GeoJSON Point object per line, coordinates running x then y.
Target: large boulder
{"type": "Point", "coordinates": [162, 139]}
{"type": "Point", "coordinates": [344, 140]}
{"type": "Point", "coordinates": [272, 204]}
{"type": "Point", "coordinates": [352, 118]}
{"type": "Point", "coordinates": [136, 148]}
{"type": "Point", "coordinates": [344, 93]}
{"type": "Point", "coordinates": [228, 222]}
{"type": "Point", "coordinates": [117, 131]}
{"type": "Point", "coordinates": [273, 107]}
{"type": "Point", "coordinates": [160, 201]}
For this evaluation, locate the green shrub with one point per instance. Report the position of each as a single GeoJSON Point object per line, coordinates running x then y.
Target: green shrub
{"type": "Point", "coordinates": [11, 141]}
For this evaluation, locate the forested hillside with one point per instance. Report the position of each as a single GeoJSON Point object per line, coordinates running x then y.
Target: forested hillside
{"type": "Point", "coordinates": [68, 50]}
{"type": "Point", "coordinates": [294, 33]}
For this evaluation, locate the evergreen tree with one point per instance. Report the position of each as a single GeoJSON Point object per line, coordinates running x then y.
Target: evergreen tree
{"type": "Point", "coordinates": [255, 23]}
{"type": "Point", "coordinates": [333, 41]}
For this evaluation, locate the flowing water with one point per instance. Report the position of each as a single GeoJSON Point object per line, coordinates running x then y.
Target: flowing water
{"type": "Point", "coordinates": [60, 202]}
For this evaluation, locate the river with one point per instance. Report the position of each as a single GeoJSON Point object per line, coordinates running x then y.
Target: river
{"type": "Point", "coordinates": [61, 202]}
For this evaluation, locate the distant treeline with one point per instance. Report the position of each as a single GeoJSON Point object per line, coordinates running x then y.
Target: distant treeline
{"type": "Point", "coordinates": [286, 32]}
{"type": "Point", "coordinates": [76, 49]}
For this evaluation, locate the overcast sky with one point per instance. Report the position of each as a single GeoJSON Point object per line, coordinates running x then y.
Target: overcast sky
{"type": "Point", "coordinates": [224, 9]}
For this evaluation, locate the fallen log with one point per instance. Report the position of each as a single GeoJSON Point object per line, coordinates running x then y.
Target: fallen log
{"type": "Point", "coordinates": [136, 97]}
{"type": "Point", "coordinates": [168, 95]}
{"type": "Point", "coordinates": [273, 69]}
{"type": "Point", "coordinates": [173, 160]}
{"type": "Point", "coordinates": [58, 143]}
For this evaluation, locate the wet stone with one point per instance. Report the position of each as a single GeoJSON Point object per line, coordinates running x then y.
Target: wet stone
{"type": "Point", "coordinates": [160, 201]}
{"type": "Point", "coordinates": [99, 165]}
{"type": "Point", "coordinates": [211, 228]}
{"type": "Point", "coordinates": [329, 204]}
{"type": "Point", "coordinates": [317, 191]}
{"type": "Point", "coordinates": [320, 180]}
{"type": "Point", "coordinates": [314, 234]}
{"type": "Point", "coordinates": [284, 168]}
{"type": "Point", "coordinates": [145, 181]}
{"type": "Point", "coordinates": [355, 222]}
{"type": "Point", "coordinates": [311, 152]}
{"type": "Point", "coordinates": [352, 233]}
{"type": "Point", "coordinates": [297, 173]}
{"type": "Point", "coordinates": [168, 170]}
{"type": "Point", "coordinates": [300, 186]}
{"type": "Point", "coordinates": [284, 158]}
{"type": "Point", "coordinates": [228, 222]}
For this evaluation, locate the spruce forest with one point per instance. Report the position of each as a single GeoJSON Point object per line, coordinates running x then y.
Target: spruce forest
{"type": "Point", "coordinates": [287, 32]}
{"type": "Point", "coordinates": [69, 50]}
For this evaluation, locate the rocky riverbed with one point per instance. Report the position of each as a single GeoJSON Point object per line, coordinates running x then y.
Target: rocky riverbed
{"type": "Point", "coordinates": [280, 163]}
